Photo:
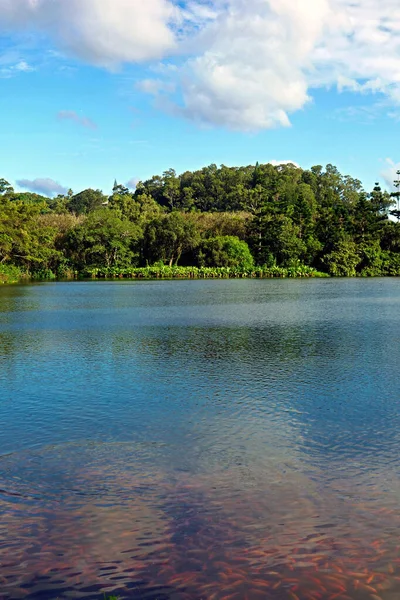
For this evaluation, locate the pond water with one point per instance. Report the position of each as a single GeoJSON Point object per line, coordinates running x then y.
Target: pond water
{"type": "Point", "coordinates": [189, 440]}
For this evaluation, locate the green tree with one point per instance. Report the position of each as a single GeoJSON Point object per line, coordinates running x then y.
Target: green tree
{"type": "Point", "coordinates": [372, 259]}
{"type": "Point", "coordinates": [120, 190]}
{"type": "Point", "coordinates": [168, 237]}
{"type": "Point", "coordinates": [86, 201]}
{"type": "Point", "coordinates": [103, 240]}
{"type": "Point", "coordinates": [256, 201]}
{"type": "Point", "coordinates": [396, 195]}
{"type": "Point", "coordinates": [215, 224]}
{"type": "Point", "coordinates": [225, 251]}
{"type": "Point", "coordinates": [171, 190]}
{"type": "Point", "coordinates": [139, 208]}
{"type": "Point", "coordinates": [304, 212]}
{"type": "Point", "coordinates": [25, 241]}
{"type": "Point", "coordinates": [381, 201]}
{"type": "Point", "coordinates": [5, 188]}
{"type": "Point", "coordinates": [343, 260]}
{"type": "Point", "coordinates": [390, 236]}
{"type": "Point", "coordinates": [368, 219]}
{"type": "Point", "coordinates": [281, 241]}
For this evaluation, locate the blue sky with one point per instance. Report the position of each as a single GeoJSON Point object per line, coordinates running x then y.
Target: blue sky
{"type": "Point", "coordinates": [92, 90]}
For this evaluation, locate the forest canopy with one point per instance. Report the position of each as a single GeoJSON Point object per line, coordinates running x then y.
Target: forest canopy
{"type": "Point", "coordinates": [240, 217]}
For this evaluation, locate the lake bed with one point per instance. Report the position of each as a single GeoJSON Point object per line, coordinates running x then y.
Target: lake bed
{"type": "Point", "coordinates": [200, 439]}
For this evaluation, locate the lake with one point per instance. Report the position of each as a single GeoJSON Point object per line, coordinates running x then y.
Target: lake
{"type": "Point", "coordinates": [188, 440]}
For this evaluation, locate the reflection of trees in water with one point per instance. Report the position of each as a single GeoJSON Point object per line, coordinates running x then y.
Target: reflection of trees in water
{"type": "Point", "coordinates": [327, 378]}
{"type": "Point", "coordinates": [319, 384]}
{"type": "Point", "coordinates": [14, 298]}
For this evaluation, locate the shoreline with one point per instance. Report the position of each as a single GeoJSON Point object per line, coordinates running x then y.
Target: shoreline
{"type": "Point", "coordinates": [13, 275]}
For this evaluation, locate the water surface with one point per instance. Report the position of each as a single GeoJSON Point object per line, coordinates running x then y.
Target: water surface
{"type": "Point", "coordinates": [200, 439]}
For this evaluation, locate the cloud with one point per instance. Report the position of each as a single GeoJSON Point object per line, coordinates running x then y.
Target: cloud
{"type": "Point", "coordinates": [132, 183]}
{"type": "Point", "coordinates": [278, 163]}
{"type": "Point", "coordinates": [8, 69]}
{"type": "Point", "coordinates": [23, 67]}
{"type": "Point", "coordinates": [242, 64]}
{"type": "Point", "coordinates": [257, 61]}
{"type": "Point", "coordinates": [155, 87]}
{"type": "Point", "coordinates": [70, 115]}
{"type": "Point", "coordinates": [362, 114]}
{"type": "Point", "coordinates": [45, 186]}
{"type": "Point", "coordinates": [101, 32]}
{"type": "Point", "coordinates": [251, 73]}
{"type": "Point", "coordinates": [389, 173]}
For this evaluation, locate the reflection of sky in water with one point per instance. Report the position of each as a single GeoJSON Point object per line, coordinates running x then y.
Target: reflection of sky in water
{"type": "Point", "coordinates": [312, 363]}
{"type": "Point", "coordinates": [252, 411]}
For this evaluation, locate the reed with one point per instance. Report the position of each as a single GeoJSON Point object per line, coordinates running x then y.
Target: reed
{"type": "Point", "coordinates": [11, 274]}
{"type": "Point", "coordinates": [176, 272]}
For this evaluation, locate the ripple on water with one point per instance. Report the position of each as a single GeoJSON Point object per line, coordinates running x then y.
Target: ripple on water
{"type": "Point", "coordinates": [104, 519]}
{"type": "Point", "coordinates": [274, 411]}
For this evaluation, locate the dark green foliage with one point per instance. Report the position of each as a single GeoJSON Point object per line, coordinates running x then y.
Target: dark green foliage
{"type": "Point", "coordinates": [343, 260]}
{"type": "Point", "coordinates": [25, 241]}
{"type": "Point", "coordinates": [103, 239]}
{"type": "Point", "coordinates": [246, 220]}
{"type": "Point", "coordinates": [5, 188]}
{"type": "Point", "coordinates": [169, 236]}
{"type": "Point", "coordinates": [225, 251]}
{"type": "Point", "coordinates": [175, 272]}
{"type": "Point", "coordinates": [10, 274]}
{"type": "Point", "coordinates": [29, 198]}
{"type": "Point", "coordinates": [86, 201]}
{"type": "Point", "coordinates": [281, 238]}
{"type": "Point", "coordinates": [139, 209]}
{"type": "Point", "coordinates": [396, 195]}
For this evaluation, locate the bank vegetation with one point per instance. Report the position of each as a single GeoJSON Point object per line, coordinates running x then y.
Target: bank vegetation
{"type": "Point", "coordinates": [254, 221]}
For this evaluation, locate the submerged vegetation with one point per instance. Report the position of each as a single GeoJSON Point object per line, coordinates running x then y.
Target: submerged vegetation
{"type": "Point", "coordinates": [254, 221]}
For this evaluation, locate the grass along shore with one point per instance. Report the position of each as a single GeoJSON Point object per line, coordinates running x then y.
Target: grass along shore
{"type": "Point", "coordinates": [10, 274]}
{"type": "Point", "coordinates": [176, 272]}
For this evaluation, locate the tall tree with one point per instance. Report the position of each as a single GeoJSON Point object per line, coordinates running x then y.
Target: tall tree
{"type": "Point", "coordinates": [103, 240]}
{"type": "Point", "coordinates": [396, 195]}
{"type": "Point", "coordinates": [5, 187]}
{"type": "Point", "coordinates": [86, 201]}
{"type": "Point", "coordinates": [170, 236]}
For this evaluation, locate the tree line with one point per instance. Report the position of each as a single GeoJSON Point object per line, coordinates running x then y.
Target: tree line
{"type": "Point", "coordinates": [240, 217]}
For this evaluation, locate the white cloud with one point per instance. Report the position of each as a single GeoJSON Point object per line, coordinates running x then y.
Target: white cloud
{"type": "Point", "coordinates": [258, 60]}
{"type": "Point", "coordinates": [102, 32]}
{"type": "Point", "coordinates": [245, 64]}
{"type": "Point", "coordinates": [277, 163]}
{"type": "Point", "coordinates": [44, 185]}
{"type": "Point", "coordinates": [389, 173]}
{"type": "Point", "coordinates": [132, 183]}
{"type": "Point", "coordinates": [154, 87]}
{"type": "Point", "coordinates": [251, 72]}
{"type": "Point", "coordinates": [11, 65]}
{"type": "Point", "coordinates": [23, 66]}
{"type": "Point", "coordinates": [70, 115]}
{"type": "Point", "coordinates": [361, 49]}
{"type": "Point", "coordinates": [366, 114]}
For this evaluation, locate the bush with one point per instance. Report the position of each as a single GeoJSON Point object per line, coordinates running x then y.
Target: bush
{"type": "Point", "coordinates": [225, 251]}
{"type": "Point", "coordinates": [343, 260]}
{"type": "Point", "coordinates": [11, 274]}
